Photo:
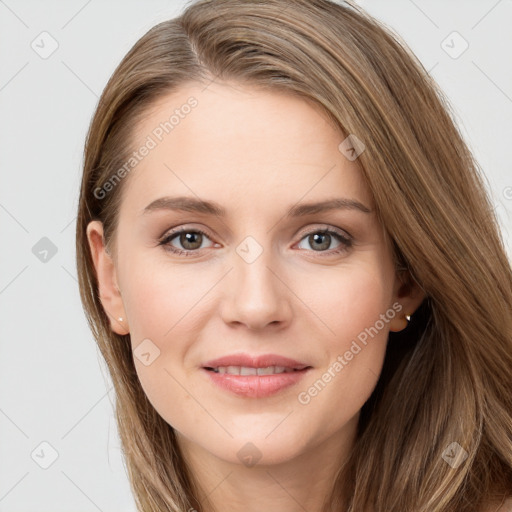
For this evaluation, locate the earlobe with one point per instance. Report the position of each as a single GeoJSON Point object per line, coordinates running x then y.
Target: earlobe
{"type": "Point", "coordinates": [400, 322]}
{"type": "Point", "coordinates": [409, 295]}
{"type": "Point", "coordinates": [109, 292]}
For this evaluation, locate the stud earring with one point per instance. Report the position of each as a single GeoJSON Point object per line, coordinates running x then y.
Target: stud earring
{"type": "Point", "coordinates": [408, 317]}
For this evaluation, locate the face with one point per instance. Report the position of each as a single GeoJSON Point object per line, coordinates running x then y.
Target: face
{"type": "Point", "coordinates": [258, 275]}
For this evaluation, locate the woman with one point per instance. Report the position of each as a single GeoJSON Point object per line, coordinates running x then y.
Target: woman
{"type": "Point", "coordinates": [293, 271]}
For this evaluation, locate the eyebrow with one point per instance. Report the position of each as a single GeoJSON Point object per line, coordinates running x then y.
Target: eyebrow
{"type": "Point", "coordinates": [190, 204]}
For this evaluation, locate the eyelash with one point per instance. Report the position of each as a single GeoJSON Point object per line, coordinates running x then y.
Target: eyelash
{"type": "Point", "coordinates": [346, 242]}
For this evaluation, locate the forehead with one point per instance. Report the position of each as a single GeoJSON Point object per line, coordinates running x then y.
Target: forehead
{"type": "Point", "coordinates": [238, 144]}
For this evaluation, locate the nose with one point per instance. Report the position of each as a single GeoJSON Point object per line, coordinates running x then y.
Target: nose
{"type": "Point", "coordinates": [256, 295]}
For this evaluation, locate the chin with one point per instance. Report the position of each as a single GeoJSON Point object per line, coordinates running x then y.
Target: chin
{"type": "Point", "coordinates": [258, 448]}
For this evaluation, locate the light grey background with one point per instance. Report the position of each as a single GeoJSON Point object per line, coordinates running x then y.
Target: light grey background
{"type": "Point", "coordinates": [53, 385]}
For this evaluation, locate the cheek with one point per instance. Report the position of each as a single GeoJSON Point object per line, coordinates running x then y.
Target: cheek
{"type": "Point", "coordinates": [355, 304]}
{"type": "Point", "coordinates": [166, 305]}
{"type": "Point", "coordinates": [347, 300]}
{"type": "Point", "coordinates": [159, 299]}
{"type": "Point", "coordinates": [162, 303]}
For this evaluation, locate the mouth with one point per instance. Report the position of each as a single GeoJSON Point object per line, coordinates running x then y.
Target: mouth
{"type": "Point", "coordinates": [270, 363]}
{"type": "Point", "coordinates": [250, 370]}
{"type": "Point", "coordinates": [255, 376]}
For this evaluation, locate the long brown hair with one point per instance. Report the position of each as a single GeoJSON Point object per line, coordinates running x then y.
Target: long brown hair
{"type": "Point", "coordinates": [448, 377]}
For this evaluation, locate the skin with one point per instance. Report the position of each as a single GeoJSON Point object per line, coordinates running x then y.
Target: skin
{"type": "Point", "coordinates": [257, 153]}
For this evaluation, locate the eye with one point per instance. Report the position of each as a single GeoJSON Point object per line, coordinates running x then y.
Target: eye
{"type": "Point", "coordinates": [320, 240]}
{"type": "Point", "coordinates": [190, 240]}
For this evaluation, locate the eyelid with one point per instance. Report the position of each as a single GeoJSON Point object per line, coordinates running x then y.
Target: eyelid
{"type": "Point", "coordinates": [182, 227]}
{"type": "Point", "coordinates": [345, 238]}
{"type": "Point", "coordinates": [324, 227]}
{"type": "Point", "coordinates": [301, 233]}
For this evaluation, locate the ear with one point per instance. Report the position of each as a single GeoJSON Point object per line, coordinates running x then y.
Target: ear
{"type": "Point", "coordinates": [109, 292]}
{"type": "Point", "coordinates": [410, 295]}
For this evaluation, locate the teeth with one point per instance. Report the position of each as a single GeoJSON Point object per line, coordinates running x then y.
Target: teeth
{"type": "Point", "coordinates": [248, 371]}
{"type": "Point", "coordinates": [245, 370]}
{"type": "Point", "coordinates": [269, 370]}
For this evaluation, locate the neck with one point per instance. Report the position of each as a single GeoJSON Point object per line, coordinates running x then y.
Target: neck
{"type": "Point", "coordinates": [304, 482]}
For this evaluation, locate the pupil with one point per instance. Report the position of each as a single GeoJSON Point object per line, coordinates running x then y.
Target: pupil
{"type": "Point", "coordinates": [315, 238]}
{"type": "Point", "coordinates": [188, 239]}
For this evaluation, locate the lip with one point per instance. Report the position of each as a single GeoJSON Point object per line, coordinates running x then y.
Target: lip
{"type": "Point", "coordinates": [261, 361]}
{"type": "Point", "coordinates": [256, 386]}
